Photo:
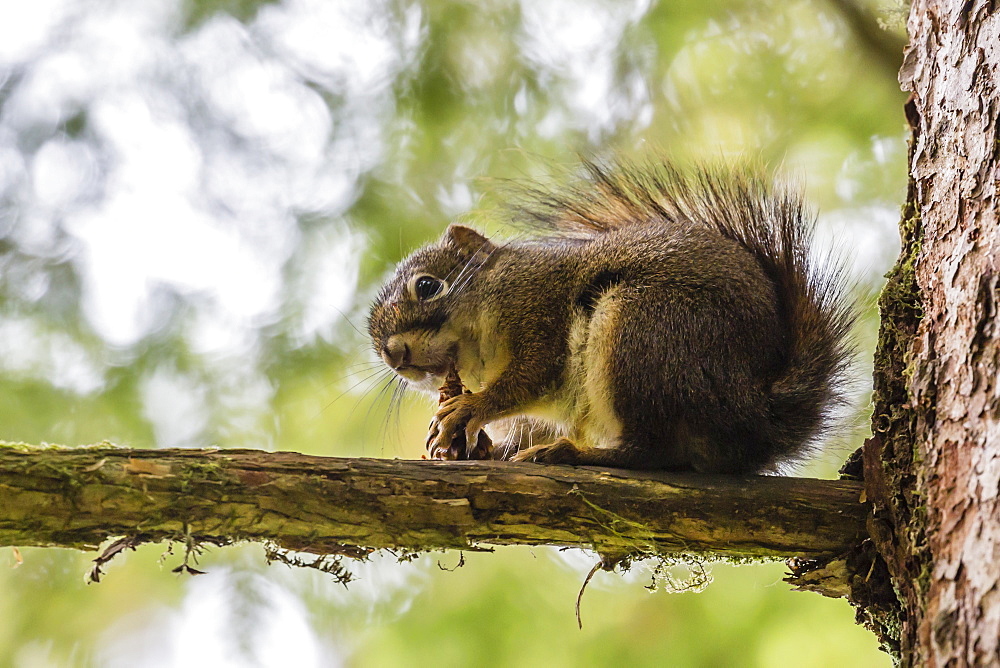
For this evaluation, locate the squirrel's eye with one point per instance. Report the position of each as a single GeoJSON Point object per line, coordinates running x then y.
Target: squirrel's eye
{"type": "Point", "coordinates": [427, 287]}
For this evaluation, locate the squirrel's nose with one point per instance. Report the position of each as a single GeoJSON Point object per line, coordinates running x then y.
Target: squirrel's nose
{"type": "Point", "coordinates": [395, 352]}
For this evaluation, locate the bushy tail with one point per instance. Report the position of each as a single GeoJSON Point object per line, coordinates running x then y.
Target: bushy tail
{"type": "Point", "coordinates": [773, 223]}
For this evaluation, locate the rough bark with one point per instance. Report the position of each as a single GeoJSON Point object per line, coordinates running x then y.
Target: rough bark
{"type": "Point", "coordinates": [933, 466]}
{"type": "Point", "coordinates": [79, 497]}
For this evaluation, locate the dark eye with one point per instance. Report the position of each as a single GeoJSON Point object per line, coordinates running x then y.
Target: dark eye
{"type": "Point", "coordinates": [427, 287]}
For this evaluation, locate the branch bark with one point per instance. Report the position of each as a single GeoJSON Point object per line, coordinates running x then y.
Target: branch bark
{"type": "Point", "coordinates": [79, 497]}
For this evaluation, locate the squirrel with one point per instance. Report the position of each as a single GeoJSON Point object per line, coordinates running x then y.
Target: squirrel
{"type": "Point", "coordinates": [663, 318]}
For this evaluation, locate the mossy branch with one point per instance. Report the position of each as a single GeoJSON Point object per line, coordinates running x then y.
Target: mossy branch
{"type": "Point", "coordinates": [80, 497]}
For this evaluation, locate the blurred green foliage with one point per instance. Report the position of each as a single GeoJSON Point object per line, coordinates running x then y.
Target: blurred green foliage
{"type": "Point", "coordinates": [419, 109]}
{"type": "Point", "coordinates": [197, 12]}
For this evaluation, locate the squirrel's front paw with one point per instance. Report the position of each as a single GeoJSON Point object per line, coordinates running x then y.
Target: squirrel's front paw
{"type": "Point", "coordinates": [560, 451]}
{"type": "Point", "coordinates": [456, 415]}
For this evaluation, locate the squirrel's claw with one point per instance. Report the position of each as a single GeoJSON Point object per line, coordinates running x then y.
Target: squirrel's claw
{"type": "Point", "coordinates": [456, 415]}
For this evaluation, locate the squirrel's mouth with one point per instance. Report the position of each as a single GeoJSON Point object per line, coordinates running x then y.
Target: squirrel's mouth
{"type": "Point", "coordinates": [410, 358]}
{"type": "Point", "coordinates": [423, 378]}
{"type": "Point", "coordinates": [416, 372]}
{"type": "Point", "coordinates": [437, 368]}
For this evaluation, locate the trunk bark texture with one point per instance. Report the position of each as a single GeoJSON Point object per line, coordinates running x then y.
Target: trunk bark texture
{"type": "Point", "coordinates": [932, 467]}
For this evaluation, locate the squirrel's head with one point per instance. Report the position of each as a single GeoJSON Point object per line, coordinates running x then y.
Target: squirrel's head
{"type": "Point", "coordinates": [409, 320]}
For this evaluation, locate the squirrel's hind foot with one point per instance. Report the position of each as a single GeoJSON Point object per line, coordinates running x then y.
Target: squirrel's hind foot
{"type": "Point", "coordinates": [560, 451]}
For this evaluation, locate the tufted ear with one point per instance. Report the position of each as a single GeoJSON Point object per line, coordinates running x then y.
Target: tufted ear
{"type": "Point", "coordinates": [468, 240]}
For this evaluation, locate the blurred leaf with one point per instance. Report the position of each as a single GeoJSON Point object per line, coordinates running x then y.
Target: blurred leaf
{"type": "Point", "coordinates": [197, 12]}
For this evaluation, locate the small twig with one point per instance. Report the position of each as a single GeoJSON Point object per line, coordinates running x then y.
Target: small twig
{"type": "Point", "coordinates": [461, 562]}
{"type": "Point", "coordinates": [579, 597]}
{"type": "Point", "coordinates": [109, 553]}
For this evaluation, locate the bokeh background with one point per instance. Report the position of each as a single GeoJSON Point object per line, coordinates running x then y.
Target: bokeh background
{"type": "Point", "coordinates": [199, 197]}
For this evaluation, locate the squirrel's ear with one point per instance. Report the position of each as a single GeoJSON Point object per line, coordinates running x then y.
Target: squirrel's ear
{"type": "Point", "coordinates": [467, 239]}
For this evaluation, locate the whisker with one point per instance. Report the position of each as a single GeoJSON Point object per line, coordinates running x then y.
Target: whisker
{"type": "Point", "coordinates": [466, 279]}
{"type": "Point", "coordinates": [468, 271]}
{"type": "Point", "coordinates": [393, 378]}
{"type": "Point", "coordinates": [385, 379]}
{"type": "Point", "coordinates": [394, 413]}
{"type": "Point", "coordinates": [355, 369]}
{"type": "Point", "coordinates": [364, 366]}
{"type": "Point", "coordinates": [455, 275]}
{"type": "Point", "coordinates": [348, 321]}
{"type": "Point", "coordinates": [463, 278]}
{"type": "Point", "coordinates": [461, 282]}
{"type": "Point", "coordinates": [374, 374]}
{"type": "Point", "coordinates": [469, 263]}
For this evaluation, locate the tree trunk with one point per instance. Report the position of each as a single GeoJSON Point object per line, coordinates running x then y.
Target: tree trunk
{"type": "Point", "coordinates": [933, 466]}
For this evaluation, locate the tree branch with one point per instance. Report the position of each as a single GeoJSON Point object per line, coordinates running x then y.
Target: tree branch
{"type": "Point", "coordinates": [79, 497]}
{"type": "Point", "coordinates": [883, 46]}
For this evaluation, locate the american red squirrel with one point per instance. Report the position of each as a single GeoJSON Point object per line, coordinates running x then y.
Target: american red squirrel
{"type": "Point", "coordinates": [662, 318]}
